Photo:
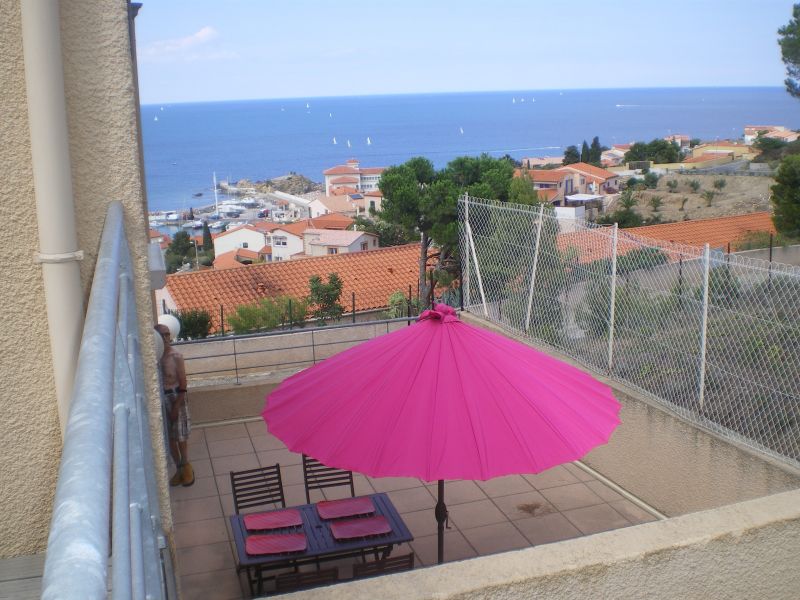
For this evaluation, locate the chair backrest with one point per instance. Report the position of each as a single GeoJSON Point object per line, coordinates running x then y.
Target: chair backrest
{"type": "Point", "coordinates": [255, 487]}
{"type": "Point", "coordinates": [317, 476]}
{"type": "Point", "coordinates": [395, 564]}
{"type": "Point", "coordinates": [288, 582]}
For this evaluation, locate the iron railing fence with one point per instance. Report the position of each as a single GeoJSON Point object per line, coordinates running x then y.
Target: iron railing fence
{"type": "Point", "coordinates": [233, 357]}
{"type": "Point", "coordinates": [714, 336]}
{"type": "Point", "coordinates": [106, 501]}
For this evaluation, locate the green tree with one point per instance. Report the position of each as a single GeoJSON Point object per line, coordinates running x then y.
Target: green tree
{"type": "Point", "coordinates": [179, 251]}
{"type": "Point", "coordinates": [694, 185]}
{"type": "Point", "coordinates": [655, 202]}
{"type": "Point", "coordinates": [657, 151]}
{"type": "Point", "coordinates": [625, 216]}
{"type": "Point", "coordinates": [585, 152]}
{"type": "Point", "coordinates": [571, 155]}
{"type": "Point", "coordinates": [208, 242]}
{"type": "Point", "coordinates": [708, 196]}
{"type": "Point", "coordinates": [694, 142]}
{"type": "Point", "coordinates": [324, 298]}
{"type": "Point", "coordinates": [520, 190]}
{"type": "Point", "coordinates": [595, 151]}
{"type": "Point", "coordinates": [786, 196]}
{"type": "Point", "coordinates": [790, 51]}
{"type": "Point", "coordinates": [267, 314]}
{"type": "Point", "coordinates": [195, 324]}
{"type": "Point", "coordinates": [399, 306]}
{"type": "Point", "coordinates": [719, 184]}
{"type": "Point", "coordinates": [672, 185]}
{"type": "Point", "coordinates": [651, 181]}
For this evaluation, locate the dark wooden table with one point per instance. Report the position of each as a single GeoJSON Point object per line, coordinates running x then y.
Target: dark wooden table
{"type": "Point", "coordinates": [321, 543]}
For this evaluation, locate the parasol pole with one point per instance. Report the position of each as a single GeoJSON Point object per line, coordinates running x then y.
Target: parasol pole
{"type": "Point", "coordinates": [441, 518]}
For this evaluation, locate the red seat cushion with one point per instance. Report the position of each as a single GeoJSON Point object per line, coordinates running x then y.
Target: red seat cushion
{"type": "Point", "coordinates": [358, 528]}
{"type": "Point", "coordinates": [273, 519]}
{"type": "Point", "coordinates": [276, 543]}
{"type": "Point", "coordinates": [347, 507]}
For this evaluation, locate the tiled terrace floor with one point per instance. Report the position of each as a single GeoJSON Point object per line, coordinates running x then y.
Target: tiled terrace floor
{"type": "Point", "coordinates": [502, 514]}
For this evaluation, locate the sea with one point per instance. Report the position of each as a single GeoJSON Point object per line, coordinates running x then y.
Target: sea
{"type": "Point", "coordinates": [185, 144]}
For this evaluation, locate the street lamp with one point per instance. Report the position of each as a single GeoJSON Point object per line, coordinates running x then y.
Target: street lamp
{"type": "Point", "coordinates": [196, 256]}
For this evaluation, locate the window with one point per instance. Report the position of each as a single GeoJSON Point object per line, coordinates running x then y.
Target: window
{"type": "Point", "coordinates": [374, 242]}
{"type": "Point", "coordinates": [244, 244]}
{"type": "Point", "coordinates": [372, 204]}
{"type": "Point", "coordinates": [364, 245]}
{"type": "Point", "coordinates": [333, 251]}
{"type": "Point", "coordinates": [278, 240]}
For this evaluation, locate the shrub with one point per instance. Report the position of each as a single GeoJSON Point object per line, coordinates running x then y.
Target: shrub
{"type": "Point", "coordinates": [655, 203]}
{"type": "Point", "coordinates": [269, 313]}
{"type": "Point", "coordinates": [399, 305]}
{"type": "Point", "coordinates": [694, 185]}
{"type": "Point", "coordinates": [672, 185]}
{"type": "Point", "coordinates": [719, 184]}
{"type": "Point", "coordinates": [195, 324]}
{"type": "Point", "coordinates": [651, 181]}
{"type": "Point", "coordinates": [708, 196]}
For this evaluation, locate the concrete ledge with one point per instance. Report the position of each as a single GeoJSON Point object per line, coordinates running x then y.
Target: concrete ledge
{"type": "Point", "coordinates": [746, 550]}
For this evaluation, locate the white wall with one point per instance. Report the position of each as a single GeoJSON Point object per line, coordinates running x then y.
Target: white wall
{"type": "Point", "coordinates": [255, 240]}
{"type": "Point", "coordinates": [294, 244]}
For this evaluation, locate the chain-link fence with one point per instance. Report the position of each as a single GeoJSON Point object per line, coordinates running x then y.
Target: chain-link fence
{"type": "Point", "coordinates": [715, 336]}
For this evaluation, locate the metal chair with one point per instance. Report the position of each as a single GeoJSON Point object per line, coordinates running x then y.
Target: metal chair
{"type": "Point", "coordinates": [290, 582]}
{"type": "Point", "coordinates": [255, 487]}
{"type": "Point", "coordinates": [384, 566]}
{"type": "Point", "coordinates": [317, 476]}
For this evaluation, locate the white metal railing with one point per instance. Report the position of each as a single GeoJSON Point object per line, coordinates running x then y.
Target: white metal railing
{"type": "Point", "coordinates": [714, 336]}
{"type": "Point", "coordinates": [107, 459]}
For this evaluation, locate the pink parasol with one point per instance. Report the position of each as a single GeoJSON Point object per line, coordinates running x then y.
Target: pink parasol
{"type": "Point", "coordinates": [442, 400]}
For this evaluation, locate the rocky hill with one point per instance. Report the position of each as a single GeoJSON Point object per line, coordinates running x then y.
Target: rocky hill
{"type": "Point", "coordinates": [292, 183]}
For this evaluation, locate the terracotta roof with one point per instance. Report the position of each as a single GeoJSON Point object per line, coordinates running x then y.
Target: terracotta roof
{"type": "Point", "coordinates": [545, 175]}
{"type": "Point", "coordinates": [372, 170]}
{"type": "Point", "coordinates": [337, 203]}
{"type": "Point", "coordinates": [329, 221]}
{"type": "Point", "coordinates": [344, 191]}
{"type": "Point", "coordinates": [340, 170]}
{"type": "Point", "coordinates": [717, 232]}
{"type": "Point", "coordinates": [266, 226]}
{"type": "Point", "coordinates": [376, 193]}
{"type": "Point", "coordinates": [265, 250]}
{"type": "Point", "coordinates": [239, 228]}
{"type": "Point", "coordinates": [345, 180]}
{"type": "Point", "coordinates": [547, 194]}
{"type": "Point", "coordinates": [588, 169]}
{"type": "Point", "coordinates": [155, 233]}
{"type": "Point", "coordinates": [622, 146]}
{"type": "Point", "coordinates": [723, 143]}
{"type": "Point", "coordinates": [373, 275]}
{"type": "Point", "coordinates": [330, 237]}
{"type": "Point", "coordinates": [227, 260]}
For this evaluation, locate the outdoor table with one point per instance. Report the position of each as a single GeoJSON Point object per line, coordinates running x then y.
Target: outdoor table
{"type": "Point", "coordinates": [321, 543]}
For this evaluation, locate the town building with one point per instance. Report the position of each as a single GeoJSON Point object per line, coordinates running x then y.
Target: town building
{"type": "Point", "coordinates": [779, 132]}
{"type": "Point", "coordinates": [351, 178]}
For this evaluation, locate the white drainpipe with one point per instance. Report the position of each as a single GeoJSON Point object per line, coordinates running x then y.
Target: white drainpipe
{"type": "Point", "coordinates": [55, 211]}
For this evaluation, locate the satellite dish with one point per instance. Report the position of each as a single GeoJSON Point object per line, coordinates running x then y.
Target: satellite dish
{"type": "Point", "coordinates": [173, 323]}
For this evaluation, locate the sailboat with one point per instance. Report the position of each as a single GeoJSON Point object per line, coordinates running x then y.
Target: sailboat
{"type": "Point", "coordinates": [513, 101]}
{"type": "Point", "coordinates": [348, 143]}
{"type": "Point", "coordinates": [307, 106]}
{"type": "Point", "coordinates": [216, 200]}
{"type": "Point", "coordinates": [334, 141]}
{"type": "Point", "coordinates": [369, 141]}
{"type": "Point", "coordinates": [461, 130]}
{"type": "Point", "coordinates": [155, 118]}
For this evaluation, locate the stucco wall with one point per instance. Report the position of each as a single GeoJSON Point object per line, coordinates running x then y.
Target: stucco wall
{"type": "Point", "coordinates": [102, 123]}
{"type": "Point", "coordinates": [672, 464]}
{"type": "Point", "coordinates": [742, 551]}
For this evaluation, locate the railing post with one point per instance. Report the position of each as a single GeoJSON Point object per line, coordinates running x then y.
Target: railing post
{"type": "Point", "coordinates": [121, 544]}
{"type": "Point", "coordinates": [354, 307]}
{"type": "Point", "coordinates": [704, 326]}
{"type": "Point", "coordinates": [612, 298]}
{"type": "Point", "coordinates": [464, 255]}
{"type": "Point", "coordinates": [235, 360]}
{"type": "Point", "coordinates": [533, 269]}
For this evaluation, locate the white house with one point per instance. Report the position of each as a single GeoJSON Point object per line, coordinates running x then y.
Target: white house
{"type": "Point", "coordinates": [352, 177]}
{"type": "Point", "coordinates": [245, 236]}
{"type": "Point", "coordinates": [324, 205]}
{"type": "Point", "coordinates": [320, 242]}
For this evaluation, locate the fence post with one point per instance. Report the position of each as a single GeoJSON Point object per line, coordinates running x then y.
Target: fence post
{"type": "Point", "coordinates": [612, 298]}
{"type": "Point", "coordinates": [354, 307]}
{"type": "Point", "coordinates": [221, 320]}
{"type": "Point", "coordinates": [290, 314]}
{"type": "Point", "coordinates": [533, 269]}
{"type": "Point", "coordinates": [704, 325]}
{"type": "Point", "coordinates": [464, 255]}
{"type": "Point", "coordinates": [769, 270]}
{"type": "Point", "coordinates": [235, 361]}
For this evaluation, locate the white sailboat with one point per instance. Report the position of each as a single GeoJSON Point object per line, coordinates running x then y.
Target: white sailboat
{"type": "Point", "coordinates": [369, 141]}
{"type": "Point", "coordinates": [334, 141]}
{"type": "Point", "coordinates": [348, 143]}
{"type": "Point", "coordinates": [513, 101]}
{"type": "Point", "coordinates": [155, 118]}
{"type": "Point", "coordinates": [216, 200]}
{"type": "Point", "coordinates": [461, 130]}
{"type": "Point", "coordinates": [307, 106]}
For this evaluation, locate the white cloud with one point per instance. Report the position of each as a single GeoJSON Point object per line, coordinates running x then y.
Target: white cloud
{"type": "Point", "coordinates": [189, 48]}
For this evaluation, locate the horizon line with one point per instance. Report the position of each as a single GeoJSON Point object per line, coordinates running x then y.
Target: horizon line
{"type": "Point", "coordinates": [445, 93]}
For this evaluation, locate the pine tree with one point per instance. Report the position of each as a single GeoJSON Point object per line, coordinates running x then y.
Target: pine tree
{"type": "Point", "coordinates": [585, 152]}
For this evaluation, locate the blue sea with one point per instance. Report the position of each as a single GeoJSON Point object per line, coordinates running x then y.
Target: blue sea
{"type": "Point", "coordinates": [261, 139]}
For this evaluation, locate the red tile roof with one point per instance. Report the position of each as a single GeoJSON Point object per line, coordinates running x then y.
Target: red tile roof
{"type": "Point", "coordinates": [329, 221]}
{"type": "Point", "coordinates": [717, 232]}
{"type": "Point", "coordinates": [546, 175]}
{"type": "Point", "coordinates": [372, 170]}
{"type": "Point", "coordinates": [373, 275]}
{"type": "Point", "coordinates": [376, 193]}
{"type": "Point", "coordinates": [344, 191]}
{"type": "Point", "coordinates": [588, 169]}
{"type": "Point", "coordinates": [547, 194]}
{"type": "Point", "coordinates": [340, 170]}
{"type": "Point", "coordinates": [345, 180]}
{"type": "Point", "coordinates": [227, 260]}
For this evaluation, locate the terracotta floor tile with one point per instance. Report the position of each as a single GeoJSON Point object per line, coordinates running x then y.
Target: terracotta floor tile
{"type": "Point", "coordinates": [226, 500]}
{"type": "Point", "coordinates": [578, 472]}
{"type": "Point", "coordinates": [266, 442]}
{"type": "Point", "coordinates": [225, 432]}
{"type": "Point", "coordinates": [230, 447]}
{"type": "Point", "coordinates": [223, 465]}
{"type": "Point", "coordinates": [420, 523]}
{"type": "Point", "coordinates": [224, 483]}
{"type": "Point", "coordinates": [203, 487]}
{"type": "Point", "coordinates": [291, 474]}
{"type": "Point", "coordinates": [594, 519]}
{"type": "Point", "coordinates": [256, 428]}
{"type": "Point", "coordinates": [567, 497]}
{"type": "Point", "coordinates": [547, 528]}
{"type": "Point", "coordinates": [458, 492]}
{"type": "Point", "coordinates": [418, 498]}
{"type": "Point", "coordinates": [282, 457]}
{"type": "Point", "coordinates": [505, 486]}
{"type": "Point", "coordinates": [551, 478]}
{"type": "Point", "coordinates": [390, 484]}
{"type": "Point", "coordinates": [295, 494]}
{"type": "Point", "coordinates": [456, 547]}
{"type": "Point", "coordinates": [602, 490]}
{"type": "Point", "coordinates": [491, 539]}
{"type": "Point", "coordinates": [198, 509]}
{"type": "Point", "coordinates": [523, 506]}
{"type": "Point", "coordinates": [475, 514]}
{"type": "Point", "coordinates": [630, 511]}
{"type": "Point", "coordinates": [196, 533]}
{"type": "Point", "coordinates": [208, 557]}
{"type": "Point", "coordinates": [202, 467]}
{"type": "Point", "coordinates": [213, 585]}
{"type": "Point", "coordinates": [197, 446]}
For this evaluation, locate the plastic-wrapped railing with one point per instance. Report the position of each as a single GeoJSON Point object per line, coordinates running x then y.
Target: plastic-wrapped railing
{"type": "Point", "coordinates": [107, 458]}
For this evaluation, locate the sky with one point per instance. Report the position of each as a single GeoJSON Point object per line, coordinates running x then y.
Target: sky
{"type": "Point", "coordinates": [204, 50]}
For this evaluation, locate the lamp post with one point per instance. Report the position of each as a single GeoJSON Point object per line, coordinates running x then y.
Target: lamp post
{"type": "Point", "coordinates": [196, 256]}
